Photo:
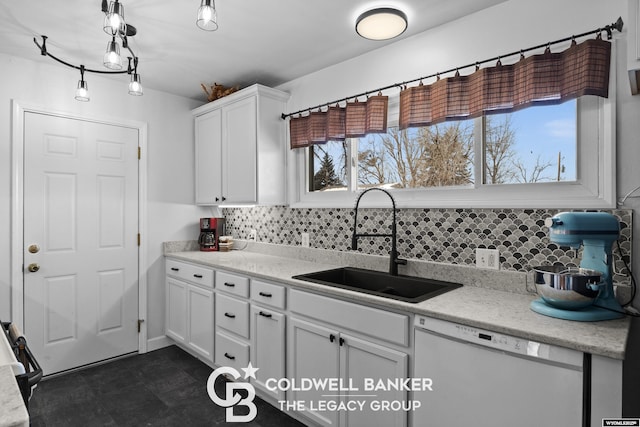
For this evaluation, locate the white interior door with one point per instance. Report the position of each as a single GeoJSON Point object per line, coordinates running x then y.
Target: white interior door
{"type": "Point", "coordinates": [80, 233]}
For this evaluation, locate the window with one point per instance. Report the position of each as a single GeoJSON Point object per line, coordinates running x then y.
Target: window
{"type": "Point", "coordinates": [544, 156]}
{"type": "Point", "coordinates": [533, 145]}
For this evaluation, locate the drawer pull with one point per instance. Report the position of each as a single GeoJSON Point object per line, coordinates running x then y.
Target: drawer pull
{"type": "Point", "coordinates": [229, 357]}
{"type": "Point", "coordinates": [332, 337]}
{"type": "Point", "coordinates": [198, 276]}
{"type": "Point", "coordinates": [267, 315]}
{"type": "Point", "coordinates": [175, 269]}
{"type": "Point", "coordinates": [230, 316]}
{"type": "Point", "coordinates": [264, 294]}
{"type": "Point", "coordinates": [231, 285]}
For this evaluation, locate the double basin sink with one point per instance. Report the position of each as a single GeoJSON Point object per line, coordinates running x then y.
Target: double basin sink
{"type": "Point", "coordinates": [403, 288]}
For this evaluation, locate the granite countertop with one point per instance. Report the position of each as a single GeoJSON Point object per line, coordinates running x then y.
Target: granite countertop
{"type": "Point", "coordinates": [14, 413]}
{"type": "Point", "coordinates": [491, 309]}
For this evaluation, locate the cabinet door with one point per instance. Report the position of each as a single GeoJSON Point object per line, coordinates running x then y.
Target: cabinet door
{"type": "Point", "coordinates": [200, 311]}
{"type": "Point", "coordinates": [208, 152]}
{"type": "Point", "coordinates": [239, 152]}
{"type": "Point", "coordinates": [313, 354]}
{"type": "Point", "coordinates": [365, 361]}
{"type": "Point", "coordinates": [176, 309]}
{"type": "Point", "coordinates": [267, 347]}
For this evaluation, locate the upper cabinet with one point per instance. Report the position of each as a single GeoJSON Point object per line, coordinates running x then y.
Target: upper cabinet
{"type": "Point", "coordinates": [240, 148]}
{"type": "Point", "coordinates": [633, 45]}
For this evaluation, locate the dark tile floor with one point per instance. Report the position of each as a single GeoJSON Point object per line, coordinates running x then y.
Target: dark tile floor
{"type": "Point", "coordinates": [165, 387]}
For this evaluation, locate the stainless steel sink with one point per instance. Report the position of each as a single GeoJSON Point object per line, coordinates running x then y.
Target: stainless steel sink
{"type": "Point", "coordinates": [403, 288]}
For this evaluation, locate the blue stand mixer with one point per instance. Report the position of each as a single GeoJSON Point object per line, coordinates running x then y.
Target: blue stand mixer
{"type": "Point", "coordinates": [596, 232]}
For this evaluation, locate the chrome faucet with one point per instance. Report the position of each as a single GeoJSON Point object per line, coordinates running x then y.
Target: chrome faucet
{"type": "Point", "coordinates": [394, 260]}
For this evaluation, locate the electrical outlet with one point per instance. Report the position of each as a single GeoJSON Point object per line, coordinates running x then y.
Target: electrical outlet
{"type": "Point", "coordinates": [253, 235]}
{"type": "Point", "coordinates": [304, 240]}
{"type": "Point", "coordinates": [488, 258]}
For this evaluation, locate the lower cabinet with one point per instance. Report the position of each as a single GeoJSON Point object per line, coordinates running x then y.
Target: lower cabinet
{"type": "Point", "coordinates": [268, 348]}
{"type": "Point", "coordinates": [231, 352]}
{"type": "Point", "coordinates": [200, 318]}
{"type": "Point", "coordinates": [189, 316]}
{"type": "Point", "coordinates": [320, 352]}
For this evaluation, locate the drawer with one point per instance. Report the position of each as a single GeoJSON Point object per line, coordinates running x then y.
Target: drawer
{"type": "Point", "coordinates": [232, 283]}
{"type": "Point", "coordinates": [193, 273]}
{"type": "Point", "coordinates": [385, 325]}
{"type": "Point", "coordinates": [232, 314]}
{"type": "Point", "coordinates": [268, 293]}
{"type": "Point", "coordinates": [231, 352]}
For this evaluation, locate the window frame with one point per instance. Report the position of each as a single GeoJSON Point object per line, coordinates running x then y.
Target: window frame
{"type": "Point", "coordinates": [596, 135]}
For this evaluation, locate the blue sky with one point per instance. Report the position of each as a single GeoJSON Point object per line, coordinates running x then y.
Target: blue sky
{"type": "Point", "coordinates": [545, 131]}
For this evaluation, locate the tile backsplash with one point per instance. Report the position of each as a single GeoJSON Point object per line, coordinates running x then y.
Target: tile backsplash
{"type": "Point", "coordinates": [439, 235]}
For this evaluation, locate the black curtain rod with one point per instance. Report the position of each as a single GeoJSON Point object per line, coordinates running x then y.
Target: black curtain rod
{"type": "Point", "coordinates": [609, 29]}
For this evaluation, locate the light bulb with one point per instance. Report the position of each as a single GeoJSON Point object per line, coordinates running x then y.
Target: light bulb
{"type": "Point", "coordinates": [207, 16]}
{"type": "Point", "coordinates": [82, 92]}
{"type": "Point", "coordinates": [135, 85]}
{"type": "Point", "coordinates": [112, 57]}
{"type": "Point", "coordinates": [114, 19]}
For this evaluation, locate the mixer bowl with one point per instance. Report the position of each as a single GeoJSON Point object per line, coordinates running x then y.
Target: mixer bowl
{"type": "Point", "coordinates": [567, 288]}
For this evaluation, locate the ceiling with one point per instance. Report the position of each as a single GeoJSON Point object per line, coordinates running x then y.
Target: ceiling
{"type": "Point", "coordinates": [258, 41]}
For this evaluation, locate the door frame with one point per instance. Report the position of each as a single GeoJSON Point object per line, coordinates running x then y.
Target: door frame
{"type": "Point", "coordinates": [18, 109]}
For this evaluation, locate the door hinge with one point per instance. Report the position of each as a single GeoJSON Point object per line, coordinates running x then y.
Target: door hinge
{"type": "Point", "coordinates": [139, 153]}
{"type": "Point", "coordinates": [140, 321]}
{"type": "Point", "coordinates": [139, 239]}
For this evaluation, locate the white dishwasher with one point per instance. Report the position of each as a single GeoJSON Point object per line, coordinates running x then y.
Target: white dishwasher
{"type": "Point", "coordinates": [482, 378]}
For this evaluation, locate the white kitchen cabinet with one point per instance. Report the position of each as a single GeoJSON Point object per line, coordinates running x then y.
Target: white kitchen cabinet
{"type": "Point", "coordinates": [313, 352]}
{"type": "Point", "coordinates": [362, 360]}
{"type": "Point", "coordinates": [208, 150]}
{"type": "Point", "coordinates": [240, 148]}
{"type": "Point", "coordinates": [268, 347]}
{"type": "Point", "coordinates": [190, 307]}
{"type": "Point", "coordinates": [319, 352]}
{"type": "Point", "coordinates": [176, 309]}
{"type": "Point", "coordinates": [200, 316]}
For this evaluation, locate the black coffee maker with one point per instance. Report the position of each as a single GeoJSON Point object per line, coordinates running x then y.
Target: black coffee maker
{"type": "Point", "coordinates": [210, 231]}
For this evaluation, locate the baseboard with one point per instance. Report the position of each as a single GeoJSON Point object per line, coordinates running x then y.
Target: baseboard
{"type": "Point", "coordinates": [159, 342]}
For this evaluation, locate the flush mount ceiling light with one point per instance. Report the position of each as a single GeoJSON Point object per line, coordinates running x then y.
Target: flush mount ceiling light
{"type": "Point", "coordinates": [115, 26]}
{"type": "Point", "coordinates": [207, 16]}
{"type": "Point", "coordinates": [381, 24]}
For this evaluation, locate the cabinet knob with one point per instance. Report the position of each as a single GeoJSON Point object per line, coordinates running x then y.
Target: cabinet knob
{"type": "Point", "coordinates": [217, 199]}
{"type": "Point", "coordinates": [332, 337]}
{"type": "Point", "coordinates": [341, 341]}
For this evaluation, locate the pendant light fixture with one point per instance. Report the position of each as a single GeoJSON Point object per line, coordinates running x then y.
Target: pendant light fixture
{"type": "Point", "coordinates": [112, 59]}
{"type": "Point", "coordinates": [381, 24]}
{"type": "Point", "coordinates": [207, 17]}
{"type": "Point", "coordinates": [115, 26]}
{"type": "Point", "coordinates": [82, 92]}
{"type": "Point", "coordinates": [135, 85]}
{"type": "Point", "coordinates": [114, 18]}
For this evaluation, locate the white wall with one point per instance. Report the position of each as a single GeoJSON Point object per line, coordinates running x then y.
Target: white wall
{"type": "Point", "coordinates": [505, 28]}
{"type": "Point", "coordinates": [171, 211]}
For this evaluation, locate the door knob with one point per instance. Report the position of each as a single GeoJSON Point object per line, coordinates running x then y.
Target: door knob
{"type": "Point", "coordinates": [34, 249]}
{"type": "Point", "coordinates": [33, 267]}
